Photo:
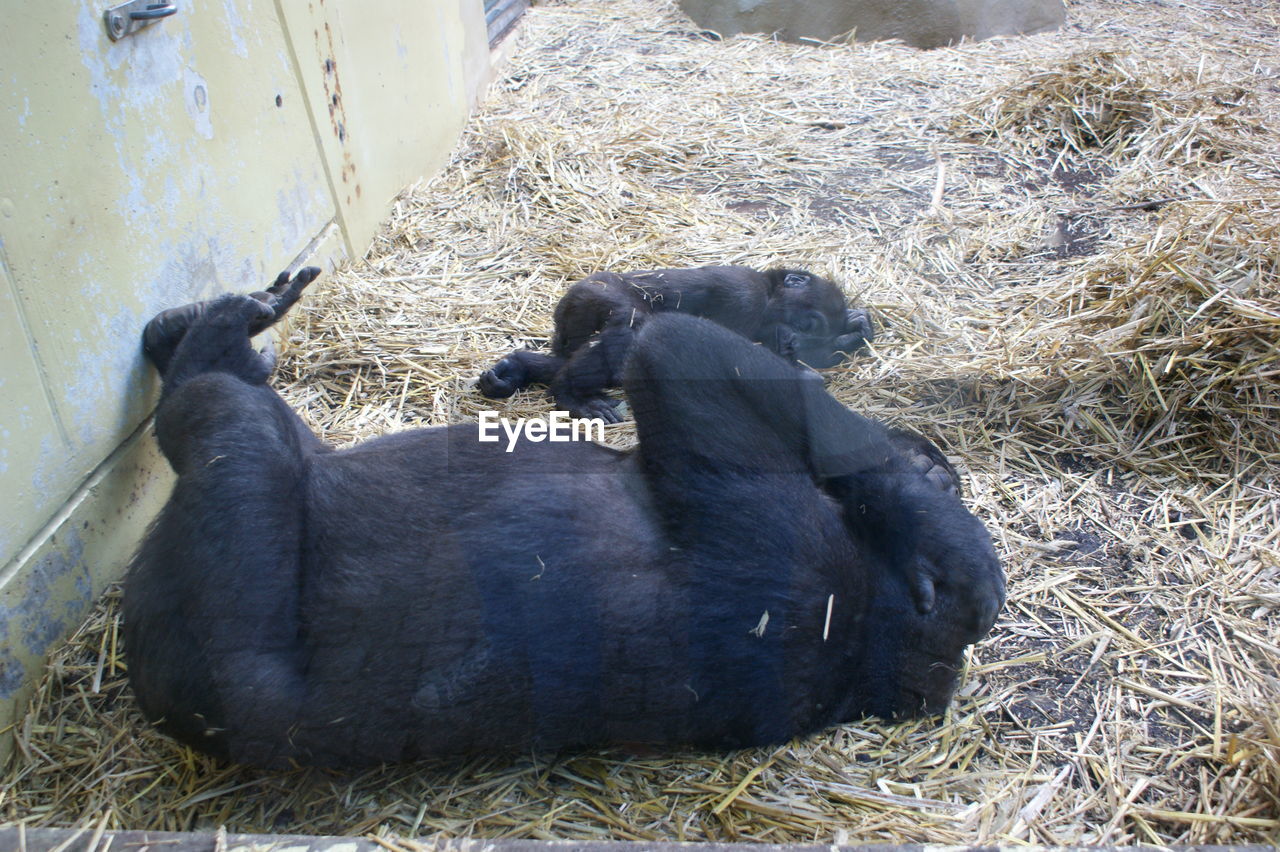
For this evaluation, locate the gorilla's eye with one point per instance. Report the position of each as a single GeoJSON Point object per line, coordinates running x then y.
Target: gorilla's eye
{"type": "Point", "coordinates": [808, 324]}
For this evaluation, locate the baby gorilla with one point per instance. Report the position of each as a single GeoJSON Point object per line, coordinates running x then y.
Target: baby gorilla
{"type": "Point", "coordinates": [764, 565]}
{"type": "Point", "coordinates": [792, 312]}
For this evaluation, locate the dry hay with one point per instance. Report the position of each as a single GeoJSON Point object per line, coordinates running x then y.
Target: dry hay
{"type": "Point", "coordinates": [1123, 105]}
{"type": "Point", "coordinates": [1070, 241]}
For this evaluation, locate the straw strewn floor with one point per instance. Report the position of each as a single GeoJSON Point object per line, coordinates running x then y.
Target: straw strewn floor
{"type": "Point", "coordinates": [1071, 243]}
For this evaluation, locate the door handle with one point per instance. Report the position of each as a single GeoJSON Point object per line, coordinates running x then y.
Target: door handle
{"type": "Point", "coordinates": [127, 18]}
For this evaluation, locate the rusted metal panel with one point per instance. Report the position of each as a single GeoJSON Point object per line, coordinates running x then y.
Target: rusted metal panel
{"type": "Point", "coordinates": [389, 85]}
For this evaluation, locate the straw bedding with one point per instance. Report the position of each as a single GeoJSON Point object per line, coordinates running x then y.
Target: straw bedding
{"type": "Point", "coordinates": [1071, 243]}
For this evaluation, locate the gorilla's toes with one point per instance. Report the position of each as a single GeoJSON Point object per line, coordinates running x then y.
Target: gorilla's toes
{"type": "Point", "coordinates": [277, 287]}
{"type": "Point", "coordinates": [284, 285]}
{"type": "Point", "coordinates": [254, 313]}
{"type": "Point", "coordinates": [928, 459]}
{"type": "Point", "coordinates": [305, 276]}
{"type": "Point", "coordinates": [597, 408]}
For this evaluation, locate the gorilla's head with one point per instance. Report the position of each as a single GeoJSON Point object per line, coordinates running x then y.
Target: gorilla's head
{"type": "Point", "coordinates": [806, 319]}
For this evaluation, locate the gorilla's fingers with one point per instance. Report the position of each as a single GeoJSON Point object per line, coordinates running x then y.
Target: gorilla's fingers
{"type": "Point", "coordinates": [305, 276]}
{"type": "Point", "coordinates": [857, 321]}
{"type": "Point", "coordinates": [849, 342]}
{"type": "Point", "coordinates": [787, 342]}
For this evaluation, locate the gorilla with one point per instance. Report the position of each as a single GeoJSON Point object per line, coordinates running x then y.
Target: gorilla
{"type": "Point", "coordinates": [794, 313]}
{"type": "Point", "coordinates": [765, 564]}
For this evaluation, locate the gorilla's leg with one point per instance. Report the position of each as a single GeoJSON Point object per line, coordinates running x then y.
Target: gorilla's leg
{"type": "Point", "coordinates": [215, 586]}
{"type": "Point", "coordinates": [216, 583]}
{"type": "Point", "coordinates": [517, 371]}
{"type": "Point", "coordinates": [726, 464]}
{"type": "Point", "coordinates": [165, 331]}
{"type": "Point", "coordinates": [707, 400]}
{"type": "Point", "coordinates": [704, 394]}
{"type": "Point", "coordinates": [578, 387]}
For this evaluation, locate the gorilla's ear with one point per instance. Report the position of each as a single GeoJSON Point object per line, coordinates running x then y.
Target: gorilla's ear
{"type": "Point", "coordinates": [796, 279]}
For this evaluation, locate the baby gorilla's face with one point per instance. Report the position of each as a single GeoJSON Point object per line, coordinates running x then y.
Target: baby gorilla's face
{"type": "Point", "coordinates": [806, 320]}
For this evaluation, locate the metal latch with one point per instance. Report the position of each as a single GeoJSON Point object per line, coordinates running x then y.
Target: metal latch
{"type": "Point", "coordinates": [127, 18]}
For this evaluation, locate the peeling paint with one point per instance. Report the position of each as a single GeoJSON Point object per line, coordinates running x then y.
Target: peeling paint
{"type": "Point", "coordinates": [154, 66]}
{"type": "Point", "coordinates": [293, 206]}
{"type": "Point", "coordinates": [102, 365]}
{"type": "Point", "coordinates": [196, 99]}
{"type": "Point", "coordinates": [150, 58]}
{"type": "Point", "coordinates": [33, 619]}
{"type": "Point", "coordinates": [51, 458]}
{"type": "Point", "coordinates": [235, 29]}
{"type": "Point", "coordinates": [137, 83]}
{"type": "Point", "coordinates": [48, 593]}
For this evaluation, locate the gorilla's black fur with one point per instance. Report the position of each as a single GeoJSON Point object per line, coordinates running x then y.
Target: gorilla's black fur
{"type": "Point", "coordinates": [765, 564]}
{"type": "Point", "coordinates": [793, 312]}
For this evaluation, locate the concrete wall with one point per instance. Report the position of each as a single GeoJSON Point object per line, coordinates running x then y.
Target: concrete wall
{"type": "Point", "coordinates": [201, 154]}
{"type": "Point", "coordinates": [919, 23]}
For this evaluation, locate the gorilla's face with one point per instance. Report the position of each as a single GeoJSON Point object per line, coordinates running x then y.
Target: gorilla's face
{"type": "Point", "coordinates": [806, 320]}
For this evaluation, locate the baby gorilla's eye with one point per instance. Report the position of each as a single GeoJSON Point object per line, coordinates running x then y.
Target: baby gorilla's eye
{"type": "Point", "coordinates": [810, 324]}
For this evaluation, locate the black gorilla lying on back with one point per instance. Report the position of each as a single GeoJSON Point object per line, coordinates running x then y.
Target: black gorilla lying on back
{"type": "Point", "coordinates": [763, 565]}
{"type": "Point", "coordinates": [792, 312]}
